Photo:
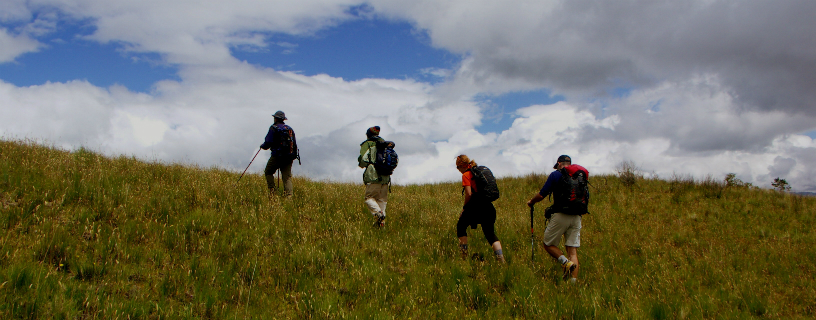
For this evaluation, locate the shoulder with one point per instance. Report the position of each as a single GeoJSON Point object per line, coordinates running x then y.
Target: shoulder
{"type": "Point", "coordinates": [467, 177]}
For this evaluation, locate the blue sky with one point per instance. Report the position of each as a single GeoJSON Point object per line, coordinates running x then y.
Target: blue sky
{"type": "Point", "coordinates": [68, 56]}
{"type": "Point", "coordinates": [354, 50]}
{"type": "Point", "coordinates": [512, 85]}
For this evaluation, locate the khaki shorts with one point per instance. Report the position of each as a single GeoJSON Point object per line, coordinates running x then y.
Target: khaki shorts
{"type": "Point", "coordinates": [563, 224]}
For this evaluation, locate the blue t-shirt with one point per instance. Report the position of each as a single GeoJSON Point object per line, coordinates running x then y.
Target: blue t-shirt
{"type": "Point", "coordinates": [549, 186]}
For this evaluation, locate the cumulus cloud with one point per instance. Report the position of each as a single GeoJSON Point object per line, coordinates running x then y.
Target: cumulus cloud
{"type": "Point", "coordinates": [762, 50]}
{"type": "Point", "coordinates": [704, 87]}
{"type": "Point", "coordinates": [221, 117]}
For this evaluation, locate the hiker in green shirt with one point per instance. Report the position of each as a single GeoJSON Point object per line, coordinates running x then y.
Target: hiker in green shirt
{"type": "Point", "coordinates": [376, 191]}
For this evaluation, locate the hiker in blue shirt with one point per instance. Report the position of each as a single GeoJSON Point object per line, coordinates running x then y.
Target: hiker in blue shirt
{"type": "Point", "coordinates": [280, 140]}
{"type": "Point", "coordinates": [564, 215]}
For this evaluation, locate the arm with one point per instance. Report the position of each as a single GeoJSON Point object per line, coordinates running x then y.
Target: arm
{"type": "Point", "coordinates": [468, 194]}
{"type": "Point", "coordinates": [546, 189]}
{"type": "Point", "coordinates": [536, 198]}
{"type": "Point", "coordinates": [269, 138]}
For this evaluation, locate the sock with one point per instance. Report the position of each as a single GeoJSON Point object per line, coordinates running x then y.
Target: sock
{"type": "Point", "coordinates": [573, 280]}
{"type": "Point", "coordinates": [562, 259]}
{"type": "Point", "coordinates": [498, 252]}
{"type": "Point", "coordinates": [463, 246]}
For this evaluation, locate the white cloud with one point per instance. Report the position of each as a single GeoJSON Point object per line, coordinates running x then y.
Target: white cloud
{"type": "Point", "coordinates": [707, 96]}
{"type": "Point", "coordinates": [200, 32]}
{"type": "Point", "coordinates": [12, 46]}
{"type": "Point", "coordinates": [14, 10]}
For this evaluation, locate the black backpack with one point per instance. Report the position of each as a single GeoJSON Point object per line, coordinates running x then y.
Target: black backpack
{"type": "Point", "coordinates": [283, 142]}
{"type": "Point", "coordinates": [486, 187]}
{"type": "Point", "coordinates": [387, 159]}
{"type": "Point", "coordinates": [572, 193]}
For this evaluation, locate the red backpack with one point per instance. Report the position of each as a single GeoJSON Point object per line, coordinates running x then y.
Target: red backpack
{"type": "Point", "coordinates": [572, 194]}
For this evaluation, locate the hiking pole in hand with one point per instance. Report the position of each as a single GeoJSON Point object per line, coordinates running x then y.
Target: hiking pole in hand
{"type": "Point", "coordinates": [250, 163]}
{"type": "Point", "coordinates": [532, 236]}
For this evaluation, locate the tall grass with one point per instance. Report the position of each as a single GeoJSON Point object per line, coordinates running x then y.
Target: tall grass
{"type": "Point", "coordinates": [89, 237]}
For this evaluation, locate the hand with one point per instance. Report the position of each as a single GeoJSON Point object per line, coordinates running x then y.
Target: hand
{"type": "Point", "coordinates": [262, 146]}
{"type": "Point", "coordinates": [530, 203]}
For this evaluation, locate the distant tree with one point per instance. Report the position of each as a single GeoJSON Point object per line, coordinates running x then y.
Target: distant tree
{"type": "Point", "coordinates": [628, 173]}
{"type": "Point", "coordinates": [731, 180]}
{"type": "Point", "coordinates": [781, 184]}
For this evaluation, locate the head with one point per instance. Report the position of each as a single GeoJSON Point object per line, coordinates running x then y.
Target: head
{"type": "Point", "coordinates": [373, 132]}
{"type": "Point", "coordinates": [279, 116]}
{"type": "Point", "coordinates": [463, 163]}
{"type": "Point", "coordinates": [563, 161]}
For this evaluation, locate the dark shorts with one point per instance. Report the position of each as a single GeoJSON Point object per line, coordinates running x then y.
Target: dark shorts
{"type": "Point", "coordinates": [476, 213]}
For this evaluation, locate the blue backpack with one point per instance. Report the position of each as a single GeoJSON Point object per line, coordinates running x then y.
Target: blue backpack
{"type": "Point", "coordinates": [387, 158]}
{"type": "Point", "coordinates": [284, 144]}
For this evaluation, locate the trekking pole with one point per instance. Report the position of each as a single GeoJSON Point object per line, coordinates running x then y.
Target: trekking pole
{"type": "Point", "coordinates": [250, 163]}
{"type": "Point", "coordinates": [532, 236]}
{"type": "Point", "coordinates": [279, 179]}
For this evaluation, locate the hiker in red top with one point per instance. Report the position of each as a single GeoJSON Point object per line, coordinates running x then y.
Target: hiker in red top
{"type": "Point", "coordinates": [476, 210]}
{"type": "Point", "coordinates": [568, 184]}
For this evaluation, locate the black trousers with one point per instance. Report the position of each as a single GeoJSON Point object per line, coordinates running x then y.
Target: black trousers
{"type": "Point", "coordinates": [478, 212]}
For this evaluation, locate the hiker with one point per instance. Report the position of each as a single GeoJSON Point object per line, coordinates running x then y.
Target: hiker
{"type": "Point", "coordinates": [565, 214]}
{"type": "Point", "coordinates": [477, 208]}
{"type": "Point", "coordinates": [376, 190]}
{"type": "Point", "coordinates": [280, 140]}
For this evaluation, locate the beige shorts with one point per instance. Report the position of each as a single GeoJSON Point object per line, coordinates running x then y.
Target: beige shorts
{"type": "Point", "coordinates": [563, 224]}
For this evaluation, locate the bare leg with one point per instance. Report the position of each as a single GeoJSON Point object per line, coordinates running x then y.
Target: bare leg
{"type": "Point", "coordinates": [573, 256]}
{"type": "Point", "coordinates": [553, 251]}
{"type": "Point", "coordinates": [497, 249]}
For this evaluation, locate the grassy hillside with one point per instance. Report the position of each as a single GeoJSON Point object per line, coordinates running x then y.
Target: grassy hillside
{"type": "Point", "coordinates": [84, 236]}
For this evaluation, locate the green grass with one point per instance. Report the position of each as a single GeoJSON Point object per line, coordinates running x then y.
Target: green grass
{"type": "Point", "coordinates": [84, 236]}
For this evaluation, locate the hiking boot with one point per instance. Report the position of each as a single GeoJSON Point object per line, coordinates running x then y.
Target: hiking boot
{"type": "Point", "coordinates": [464, 249]}
{"type": "Point", "coordinates": [568, 268]}
{"type": "Point", "coordinates": [500, 258]}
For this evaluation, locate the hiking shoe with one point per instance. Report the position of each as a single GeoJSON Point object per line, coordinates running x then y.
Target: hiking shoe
{"type": "Point", "coordinates": [500, 258]}
{"type": "Point", "coordinates": [568, 268]}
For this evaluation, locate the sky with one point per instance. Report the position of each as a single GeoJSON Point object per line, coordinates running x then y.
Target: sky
{"type": "Point", "coordinates": [682, 88]}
